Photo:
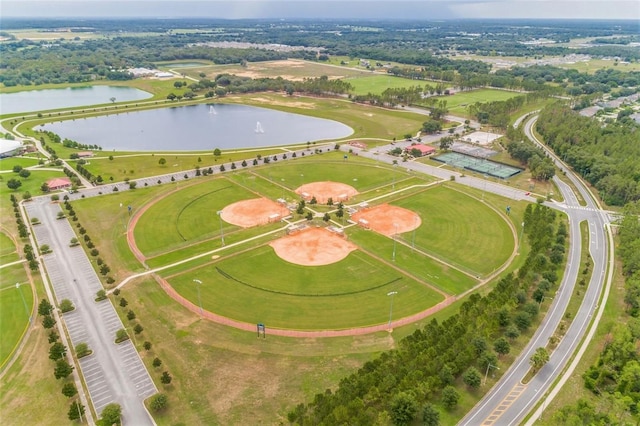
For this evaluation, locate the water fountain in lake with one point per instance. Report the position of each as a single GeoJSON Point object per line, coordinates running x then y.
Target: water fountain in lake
{"type": "Point", "coordinates": [259, 128]}
{"type": "Point", "coordinates": [212, 110]}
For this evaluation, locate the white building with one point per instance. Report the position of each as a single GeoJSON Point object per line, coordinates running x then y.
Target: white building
{"type": "Point", "coordinates": [9, 148]}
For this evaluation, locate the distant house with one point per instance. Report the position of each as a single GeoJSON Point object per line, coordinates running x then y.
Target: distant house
{"type": "Point", "coordinates": [424, 149]}
{"type": "Point", "coordinates": [59, 183]}
{"type": "Point", "coordinates": [85, 154]}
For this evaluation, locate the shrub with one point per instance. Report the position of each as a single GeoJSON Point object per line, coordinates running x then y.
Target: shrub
{"type": "Point", "coordinates": [159, 402]}
{"type": "Point", "coordinates": [66, 305]}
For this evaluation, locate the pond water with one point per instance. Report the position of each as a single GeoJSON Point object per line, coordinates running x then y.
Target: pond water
{"type": "Point", "coordinates": [40, 100]}
{"type": "Point", "coordinates": [198, 127]}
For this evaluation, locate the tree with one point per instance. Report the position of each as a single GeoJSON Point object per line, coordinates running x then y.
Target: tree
{"type": "Point", "coordinates": [101, 295]}
{"type": "Point", "coordinates": [403, 409]}
{"type": "Point", "coordinates": [14, 184]}
{"type": "Point", "coordinates": [112, 99]}
{"type": "Point", "coordinates": [539, 358]}
{"type": "Point", "coordinates": [66, 305]}
{"type": "Point", "coordinates": [165, 378]}
{"type": "Point", "coordinates": [146, 346]}
{"type": "Point", "coordinates": [430, 416]}
{"type": "Point", "coordinates": [217, 152]}
{"type": "Point", "coordinates": [138, 329]}
{"type": "Point", "coordinates": [121, 335]}
{"type": "Point", "coordinates": [57, 351]}
{"type": "Point", "coordinates": [123, 302]}
{"type": "Point", "coordinates": [431, 126]}
{"type": "Point", "coordinates": [82, 350]}
{"type": "Point", "coordinates": [48, 321]}
{"type": "Point", "coordinates": [24, 173]}
{"type": "Point", "coordinates": [44, 307]}
{"type": "Point", "coordinates": [450, 397]}
{"type": "Point", "coordinates": [17, 168]}
{"type": "Point", "coordinates": [326, 217]}
{"type": "Point", "coordinates": [63, 369]}
{"type": "Point", "coordinates": [26, 196]}
{"type": "Point", "coordinates": [44, 187]}
{"type": "Point", "coordinates": [131, 315]}
{"type": "Point", "coordinates": [111, 414]}
{"type": "Point", "coordinates": [472, 378]}
{"type": "Point", "coordinates": [159, 402]}
{"type": "Point", "coordinates": [162, 161]}
{"type": "Point", "coordinates": [502, 346]}
{"type": "Point", "coordinates": [74, 241]}
{"type": "Point", "coordinates": [69, 389]}
{"type": "Point", "coordinates": [446, 142]}
{"type": "Point", "coordinates": [76, 411]}
{"type": "Point", "coordinates": [313, 200]}
{"type": "Point", "coordinates": [309, 216]}
{"type": "Point", "coordinates": [157, 362]}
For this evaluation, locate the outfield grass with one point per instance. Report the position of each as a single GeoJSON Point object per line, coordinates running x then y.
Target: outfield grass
{"type": "Point", "coordinates": [14, 317]}
{"type": "Point", "coordinates": [429, 270]}
{"type": "Point", "coordinates": [460, 230]}
{"type": "Point", "coordinates": [187, 216]}
{"type": "Point", "coordinates": [267, 289]}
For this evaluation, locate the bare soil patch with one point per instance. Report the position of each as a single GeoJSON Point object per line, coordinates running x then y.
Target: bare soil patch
{"type": "Point", "coordinates": [313, 247]}
{"type": "Point", "coordinates": [325, 190]}
{"type": "Point", "coordinates": [388, 220]}
{"type": "Point", "coordinates": [258, 211]}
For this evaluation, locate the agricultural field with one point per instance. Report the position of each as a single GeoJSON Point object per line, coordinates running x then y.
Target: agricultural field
{"type": "Point", "coordinates": [290, 69]}
{"type": "Point", "coordinates": [376, 84]}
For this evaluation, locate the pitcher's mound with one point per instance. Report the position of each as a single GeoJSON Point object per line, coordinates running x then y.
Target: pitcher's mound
{"type": "Point", "coordinates": [248, 213]}
{"type": "Point", "coordinates": [325, 190]}
{"type": "Point", "coordinates": [388, 220]}
{"type": "Point", "coordinates": [312, 247]}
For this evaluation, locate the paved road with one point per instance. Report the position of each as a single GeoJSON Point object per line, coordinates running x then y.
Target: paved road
{"type": "Point", "coordinates": [510, 401]}
{"type": "Point", "coordinates": [113, 373]}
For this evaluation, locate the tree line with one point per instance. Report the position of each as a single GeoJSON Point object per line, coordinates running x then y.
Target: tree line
{"type": "Point", "coordinates": [606, 155]}
{"type": "Point", "coordinates": [432, 367]}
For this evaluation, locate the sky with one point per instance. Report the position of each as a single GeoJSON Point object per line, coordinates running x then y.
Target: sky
{"type": "Point", "coordinates": [364, 9]}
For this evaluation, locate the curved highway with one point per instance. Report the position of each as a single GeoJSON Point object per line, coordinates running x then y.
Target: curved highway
{"type": "Point", "coordinates": [510, 400]}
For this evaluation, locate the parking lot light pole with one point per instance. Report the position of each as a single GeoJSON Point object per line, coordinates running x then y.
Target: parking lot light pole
{"type": "Point", "coordinates": [219, 213]}
{"type": "Point", "coordinates": [391, 293]}
{"type": "Point", "coordinates": [199, 283]}
{"type": "Point", "coordinates": [487, 372]}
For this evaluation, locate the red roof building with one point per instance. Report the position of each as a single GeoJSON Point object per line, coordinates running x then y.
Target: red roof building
{"type": "Point", "coordinates": [59, 183]}
{"type": "Point", "coordinates": [424, 149]}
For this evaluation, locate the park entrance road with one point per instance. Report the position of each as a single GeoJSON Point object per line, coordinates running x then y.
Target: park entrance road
{"type": "Point", "coordinates": [113, 373]}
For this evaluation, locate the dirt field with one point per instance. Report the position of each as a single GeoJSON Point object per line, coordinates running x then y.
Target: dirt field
{"type": "Point", "coordinates": [389, 220]}
{"type": "Point", "coordinates": [254, 212]}
{"type": "Point", "coordinates": [325, 190]}
{"type": "Point", "coordinates": [313, 247]}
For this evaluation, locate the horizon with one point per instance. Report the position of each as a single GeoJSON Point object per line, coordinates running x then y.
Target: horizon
{"type": "Point", "coordinates": [573, 10]}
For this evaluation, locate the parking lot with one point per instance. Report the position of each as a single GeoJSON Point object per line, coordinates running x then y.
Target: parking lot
{"type": "Point", "coordinates": [113, 373]}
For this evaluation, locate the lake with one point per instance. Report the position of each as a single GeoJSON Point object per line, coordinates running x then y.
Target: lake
{"type": "Point", "coordinates": [70, 97]}
{"type": "Point", "coordinates": [197, 128]}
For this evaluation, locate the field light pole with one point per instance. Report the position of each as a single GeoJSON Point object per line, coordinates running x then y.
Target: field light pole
{"type": "Point", "coordinates": [391, 293]}
{"type": "Point", "coordinates": [24, 302]}
{"type": "Point", "coordinates": [393, 255]}
{"type": "Point", "coordinates": [219, 213]}
{"type": "Point", "coordinates": [199, 283]}
{"type": "Point", "coordinates": [487, 372]}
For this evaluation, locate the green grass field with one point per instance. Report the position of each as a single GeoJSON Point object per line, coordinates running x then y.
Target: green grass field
{"type": "Point", "coordinates": [376, 84]}
{"type": "Point", "coordinates": [14, 315]}
{"type": "Point", "coordinates": [9, 163]}
{"type": "Point", "coordinates": [31, 184]}
{"type": "Point", "coordinates": [478, 230]}
{"type": "Point", "coordinates": [265, 288]}
{"type": "Point", "coordinates": [458, 102]}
